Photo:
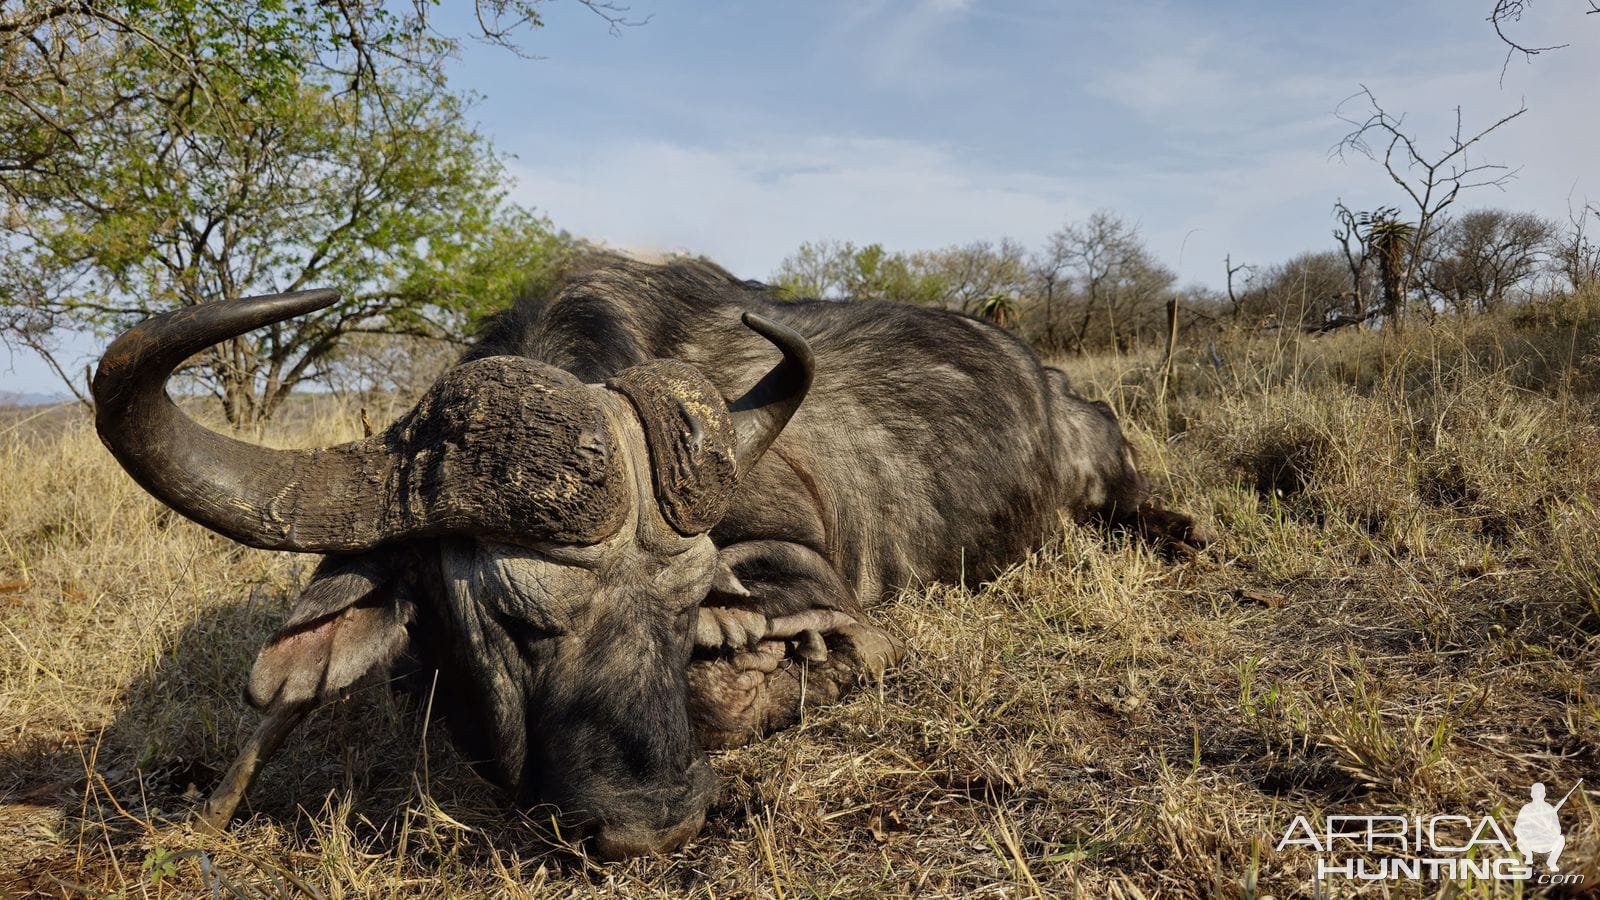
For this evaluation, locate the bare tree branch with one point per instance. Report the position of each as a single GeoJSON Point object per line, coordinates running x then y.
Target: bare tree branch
{"type": "Point", "coordinates": [1507, 12]}
{"type": "Point", "coordinates": [1233, 270]}
{"type": "Point", "coordinates": [1431, 181]}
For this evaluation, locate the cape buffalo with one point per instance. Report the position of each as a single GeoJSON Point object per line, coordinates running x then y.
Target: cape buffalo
{"type": "Point", "coordinates": [614, 536]}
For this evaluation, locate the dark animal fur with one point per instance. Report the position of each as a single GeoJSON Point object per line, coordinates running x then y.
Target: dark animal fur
{"type": "Point", "coordinates": [931, 445]}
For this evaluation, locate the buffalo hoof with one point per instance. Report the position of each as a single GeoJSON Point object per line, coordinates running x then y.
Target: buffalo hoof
{"type": "Point", "coordinates": [1174, 533]}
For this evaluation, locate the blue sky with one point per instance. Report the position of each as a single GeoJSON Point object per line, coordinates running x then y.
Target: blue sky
{"type": "Point", "coordinates": [740, 129]}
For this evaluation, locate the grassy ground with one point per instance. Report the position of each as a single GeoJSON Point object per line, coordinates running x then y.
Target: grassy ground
{"type": "Point", "coordinates": [1400, 616]}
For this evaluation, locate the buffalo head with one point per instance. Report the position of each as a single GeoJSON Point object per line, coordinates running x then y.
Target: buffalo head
{"type": "Point", "coordinates": [541, 541]}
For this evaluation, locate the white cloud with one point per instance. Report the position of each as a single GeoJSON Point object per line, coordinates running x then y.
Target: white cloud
{"type": "Point", "coordinates": [1244, 128]}
{"type": "Point", "coordinates": [751, 204]}
{"type": "Point", "coordinates": [1216, 142]}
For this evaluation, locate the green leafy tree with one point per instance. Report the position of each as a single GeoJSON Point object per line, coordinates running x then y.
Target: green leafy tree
{"type": "Point", "coordinates": [839, 270]}
{"type": "Point", "coordinates": [900, 277]}
{"type": "Point", "coordinates": [818, 269]}
{"type": "Point", "coordinates": [972, 273]}
{"type": "Point", "coordinates": [166, 153]}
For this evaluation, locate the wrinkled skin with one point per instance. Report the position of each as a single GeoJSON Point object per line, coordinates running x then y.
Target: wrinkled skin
{"type": "Point", "coordinates": [930, 447]}
{"type": "Point", "coordinates": [588, 677]}
{"type": "Point", "coordinates": [561, 667]}
{"type": "Point", "coordinates": [583, 652]}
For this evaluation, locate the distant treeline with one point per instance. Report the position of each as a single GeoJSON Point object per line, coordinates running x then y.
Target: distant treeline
{"type": "Point", "coordinates": [1095, 285]}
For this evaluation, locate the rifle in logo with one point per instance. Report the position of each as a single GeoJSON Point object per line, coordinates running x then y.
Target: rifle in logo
{"type": "Point", "coordinates": [1538, 827]}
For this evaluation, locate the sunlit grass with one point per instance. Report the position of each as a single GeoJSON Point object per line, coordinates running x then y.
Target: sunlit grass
{"type": "Point", "coordinates": [1399, 614]}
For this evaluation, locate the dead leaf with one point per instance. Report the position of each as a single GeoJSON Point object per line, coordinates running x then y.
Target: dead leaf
{"type": "Point", "coordinates": [15, 586]}
{"type": "Point", "coordinates": [1269, 599]}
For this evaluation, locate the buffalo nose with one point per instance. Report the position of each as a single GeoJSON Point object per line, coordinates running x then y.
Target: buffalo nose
{"type": "Point", "coordinates": [615, 842]}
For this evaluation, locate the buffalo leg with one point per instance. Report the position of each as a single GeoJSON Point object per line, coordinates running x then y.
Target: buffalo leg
{"type": "Point", "coordinates": [736, 698]}
{"type": "Point", "coordinates": [780, 631]}
{"type": "Point", "coordinates": [262, 744]}
{"type": "Point", "coordinates": [1171, 530]}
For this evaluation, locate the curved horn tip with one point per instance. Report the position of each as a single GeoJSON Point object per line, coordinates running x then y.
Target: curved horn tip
{"type": "Point", "coordinates": [160, 343]}
{"type": "Point", "coordinates": [791, 342]}
{"type": "Point", "coordinates": [296, 303]}
{"type": "Point", "coordinates": [222, 483]}
{"type": "Point", "coordinates": [765, 408]}
{"type": "Point", "coordinates": [328, 295]}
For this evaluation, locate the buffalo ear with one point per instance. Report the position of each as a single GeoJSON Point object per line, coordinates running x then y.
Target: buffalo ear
{"type": "Point", "coordinates": [350, 620]}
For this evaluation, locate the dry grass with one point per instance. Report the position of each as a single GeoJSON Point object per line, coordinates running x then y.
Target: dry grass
{"type": "Point", "coordinates": [1401, 616]}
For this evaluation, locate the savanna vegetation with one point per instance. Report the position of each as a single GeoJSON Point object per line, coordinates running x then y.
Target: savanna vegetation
{"type": "Point", "coordinates": [1399, 615]}
{"type": "Point", "coordinates": [1394, 439]}
{"type": "Point", "coordinates": [1095, 285]}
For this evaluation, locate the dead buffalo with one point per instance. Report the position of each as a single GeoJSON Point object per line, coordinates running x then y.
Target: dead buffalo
{"type": "Point", "coordinates": [614, 535]}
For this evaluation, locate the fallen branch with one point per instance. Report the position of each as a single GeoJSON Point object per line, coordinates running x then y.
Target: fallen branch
{"type": "Point", "coordinates": [1342, 321]}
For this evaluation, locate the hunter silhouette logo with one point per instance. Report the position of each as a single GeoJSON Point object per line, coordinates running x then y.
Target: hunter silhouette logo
{"type": "Point", "coordinates": [1538, 827]}
{"type": "Point", "coordinates": [1442, 846]}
